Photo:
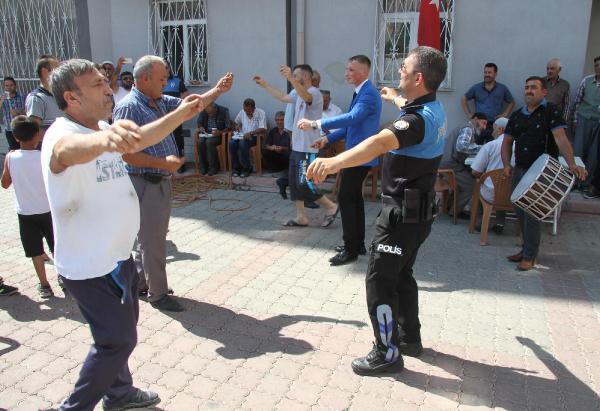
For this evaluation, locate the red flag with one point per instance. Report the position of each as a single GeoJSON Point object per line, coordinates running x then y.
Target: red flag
{"type": "Point", "coordinates": [429, 24]}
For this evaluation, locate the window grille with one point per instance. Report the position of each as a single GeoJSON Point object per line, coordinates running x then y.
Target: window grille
{"type": "Point", "coordinates": [30, 28]}
{"type": "Point", "coordinates": [396, 34]}
{"type": "Point", "coordinates": [178, 34]}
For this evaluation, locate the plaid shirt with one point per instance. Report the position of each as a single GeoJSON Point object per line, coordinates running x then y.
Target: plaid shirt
{"type": "Point", "coordinates": [16, 102]}
{"type": "Point", "coordinates": [579, 96]}
{"type": "Point", "coordinates": [136, 107]}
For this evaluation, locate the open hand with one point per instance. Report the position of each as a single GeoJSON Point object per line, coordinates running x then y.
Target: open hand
{"type": "Point", "coordinates": [123, 136]}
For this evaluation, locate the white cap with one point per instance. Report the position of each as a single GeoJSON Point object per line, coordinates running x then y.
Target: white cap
{"type": "Point", "coordinates": [501, 122]}
{"type": "Point", "coordinates": [107, 62]}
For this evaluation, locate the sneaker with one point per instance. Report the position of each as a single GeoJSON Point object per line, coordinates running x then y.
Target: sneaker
{"type": "Point", "coordinates": [243, 174]}
{"type": "Point", "coordinates": [6, 290]}
{"type": "Point", "coordinates": [375, 363]}
{"type": "Point", "coordinates": [235, 174]}
{"type": "Point", "coordinates": [167, 303]}
{"type": "Point", "coordinates": [591, 194]}
{"type": "Point", "coordinates": [45, 291]}
{"type": "Point", "coordinates": [142, 399]}
{"type": "Point", "coordinates": [143, 294]}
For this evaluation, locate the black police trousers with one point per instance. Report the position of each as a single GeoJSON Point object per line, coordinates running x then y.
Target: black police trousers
{"type": "Point", "coordinates": [392, 292]}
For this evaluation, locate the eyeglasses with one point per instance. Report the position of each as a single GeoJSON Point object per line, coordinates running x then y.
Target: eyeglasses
{"type": "Point", "coordinates": [403, 68]}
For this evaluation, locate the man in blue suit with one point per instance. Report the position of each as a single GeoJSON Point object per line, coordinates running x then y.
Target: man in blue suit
{"type": "Point", "coordinates": [360, 122]}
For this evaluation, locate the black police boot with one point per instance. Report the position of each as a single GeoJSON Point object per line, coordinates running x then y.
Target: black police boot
{"type": "Point", "coordinates": [414, 349]}
{"type": "Point", "coordinates": [374, 363]}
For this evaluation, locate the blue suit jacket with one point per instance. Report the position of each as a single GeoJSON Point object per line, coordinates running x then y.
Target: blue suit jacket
{"type": "Point", "coordinates": [360, 122]}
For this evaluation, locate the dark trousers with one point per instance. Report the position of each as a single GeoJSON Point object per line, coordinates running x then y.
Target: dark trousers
{"type": "Point", "coordinates": [178, 134]}
{"type": "Point", "coordinates": [241, 163]}
{"type": "Point", "coordinates": [352, 207]}
{"type": "Point", "coordinates": [112, 316]}
{"type": "Point", "coordinates": [392, 293]}
{"type": "Point", "coordinates": [531, 229]}
{"type": "Point", "coordinates": [207, 149]}
{"type": "Point", "coordinates": [13, 144]}
{"type": "Point", "coordinates": [275, 161]}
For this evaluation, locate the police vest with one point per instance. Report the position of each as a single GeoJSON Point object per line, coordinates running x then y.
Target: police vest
{"type": "Point", "coordinates": [173, 86]}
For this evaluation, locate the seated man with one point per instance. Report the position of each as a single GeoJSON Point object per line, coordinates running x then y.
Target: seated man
{"type": "Point", "coordinates": [213, 120]}
{"type": "Point", "coordinates": [276, 151]}
{"type": "Point", "coordinates": [489, 158]}
{"type": "Point", "coordinates": [249, 122]}
{"type": "Point", "coordinates": [460, 144]}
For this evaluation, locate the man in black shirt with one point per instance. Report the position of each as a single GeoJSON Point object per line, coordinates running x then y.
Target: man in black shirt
{"type": "Point", "coordinates": [531, 128]}
{"type": "Point", "coordinates": [414, 144]}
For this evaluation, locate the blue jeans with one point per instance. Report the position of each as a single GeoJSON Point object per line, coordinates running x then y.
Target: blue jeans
{"type": "Point", "coordinates": [530, 226]}
{"type": "Point", "coordinates": [241, 163]}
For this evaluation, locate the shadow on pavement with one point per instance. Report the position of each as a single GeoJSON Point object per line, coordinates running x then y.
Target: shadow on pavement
{"type": "Point", "coordinates": [244, 336]}
{"type": "Point", "coordinates": [12, 345]}
{"type": "Point", "coordinates": [173, 254]}
{"type": "Point", "coordinates": [509, 388]}
{"type": "Point", "coordinates": [23, 309]}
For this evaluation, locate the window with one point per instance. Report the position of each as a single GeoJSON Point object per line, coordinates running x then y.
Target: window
{"type": "Point", "coordinates": [30, 28]}
{"type": "Point", "coordinates": [178, 34]}
{"type": "Point", "coordinates": [397, 28]}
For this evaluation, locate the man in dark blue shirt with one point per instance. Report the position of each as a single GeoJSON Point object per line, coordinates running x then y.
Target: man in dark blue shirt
{"type": "Point", "coordinates": [490, 97]}
{"type": "Point", "coordinates": [176, 88]}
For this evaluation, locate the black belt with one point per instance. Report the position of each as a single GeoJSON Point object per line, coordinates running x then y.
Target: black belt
{"type": "Point", "coordinates": [153, 178]}
{"type": "Point", "coordinates": [416, 206]}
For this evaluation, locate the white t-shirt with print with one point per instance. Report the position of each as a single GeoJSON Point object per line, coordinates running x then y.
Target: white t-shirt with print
{"type": "Point", "coordinates": [302, 140]}
{"type": "Point", "coordinates": [94, 207]}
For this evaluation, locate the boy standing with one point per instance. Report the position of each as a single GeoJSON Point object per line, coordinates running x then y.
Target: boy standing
{"type": "Point", "coordinates": [23, 169]}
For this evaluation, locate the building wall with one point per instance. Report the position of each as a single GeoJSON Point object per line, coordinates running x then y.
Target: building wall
{"type": "Point", "coordinates": [593, 47]}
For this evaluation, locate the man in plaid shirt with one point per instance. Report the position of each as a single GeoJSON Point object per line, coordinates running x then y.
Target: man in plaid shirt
{"type": "Point", "coordinates": [13, 104]}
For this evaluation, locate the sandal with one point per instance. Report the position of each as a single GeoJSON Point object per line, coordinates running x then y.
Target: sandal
{"type": "Point", "coordinates": [329, 219]}
{"type": "Point", "coordinates": [293, 223]}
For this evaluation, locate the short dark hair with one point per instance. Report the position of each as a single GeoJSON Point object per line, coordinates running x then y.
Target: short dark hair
{"type": "Point", "coordinates": [44, 63]}
{"type": "Point", "coordinates": [325, 92]}
{"type": "Point", "coordinates": [432, 64]}
{"type": "Point", "coordinates": [249, 103]}
{"type": "Point", "coordinates": [479, 115]}
{"type": "Point", "coordinates": [304, 67]}
{"type": "Point", "coordinates": [126, 73]}
{"type": "Point", "coordinates": [362, 59]}
{"type": "Point", "coordinates": [280, 114]}
{"type": "Point", "coordinates": [24, 128]}
{"type": "Point", "coordinates": [537, 78]}
{"type": "Point", "coordinates": [9, 78]}
{"type": "Point", "coordinates": [63, 78]}
{"type": "Point", "coordinates": [492, 65]}
{"type": "Point", "coordinates": [596, 59]}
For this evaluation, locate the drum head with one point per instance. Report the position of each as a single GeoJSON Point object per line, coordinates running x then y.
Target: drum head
{"type": "Point", "coordinates": [529, 177]}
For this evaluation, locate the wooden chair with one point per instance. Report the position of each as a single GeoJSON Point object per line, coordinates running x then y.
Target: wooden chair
{"type": "Point", "coordinates": [502, 191]}
{"type": "Point", "coordinates": [446, 182]}
{"type": "Point", "coordinates": [255, 151]}
{"type": "Point", "coordinates": [221, 150]}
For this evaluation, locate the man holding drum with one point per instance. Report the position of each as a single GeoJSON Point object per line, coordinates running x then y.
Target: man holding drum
{"type": "Point", "coordinates": [531, 127]}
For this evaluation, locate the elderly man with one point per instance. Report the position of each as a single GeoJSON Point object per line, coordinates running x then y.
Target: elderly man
{"type": "Point", "coordinates": [490, 158]}
{"type": "Point", "coordinates": [460, 144]}
{"type": "Point", "coordinates": [536, 128]}
{"type": "Point", "coordinates": [40, 104]}
{"type": "Point", "coordinates": [558, 88]}
{"type": "Point", "coordinates": [150, 171]}
{"type": "Point", "coordinates": [276, 152]}
{"type": "Point", "coordinates": [214, 120]}
{"type": "Point", "coordinates": [413, 146]}
{"type": "Point", "coordinates": [308, 103]}
{"type": "Point", "coordinates": [96, 220]}
{"type": "Point", "coordinates": [586, 118]}
{"type": "Point", "coordinates": [13, 104]}
{"type": "Point", "coordinates": [360, 122]}
{"type": "Point", "coordinates": [490, 97]}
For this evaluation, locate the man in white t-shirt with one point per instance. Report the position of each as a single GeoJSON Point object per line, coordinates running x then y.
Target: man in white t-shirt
{"type": "Point", "coordinates": [97, 219]}
{"type": "Point", "coordinates": [125, 87]}
{"type": "Point", "coordinates": [250, 121]}
{"type": "Point", "coordinates": [489, 158]}
{"type": "Point", "coordinates": [308, 103]}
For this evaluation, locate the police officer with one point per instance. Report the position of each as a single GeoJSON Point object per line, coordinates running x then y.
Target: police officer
{"type": "Point", "coordinates": [414, 144]}
{"type": "Point", "coordinates": [175, 87]}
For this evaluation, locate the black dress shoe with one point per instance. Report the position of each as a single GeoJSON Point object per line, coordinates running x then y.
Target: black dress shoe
{"type": "Point", "coordinates": [374, 363]}
{"type": "Point", "coordinates": [361, 251]}
{"type": "Point", "coordinates": [343, 257]}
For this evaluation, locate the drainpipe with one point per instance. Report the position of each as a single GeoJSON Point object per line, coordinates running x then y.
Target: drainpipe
{"type": "Point", "coordinates": [300, 15]}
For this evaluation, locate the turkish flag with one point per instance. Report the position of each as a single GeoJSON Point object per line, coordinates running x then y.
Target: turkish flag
{"type": "Point", "coordinates": [429, 24]}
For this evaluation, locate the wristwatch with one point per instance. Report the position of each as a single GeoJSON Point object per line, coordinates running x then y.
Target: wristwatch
{"type": "Point", "coordinates": [314, 125]}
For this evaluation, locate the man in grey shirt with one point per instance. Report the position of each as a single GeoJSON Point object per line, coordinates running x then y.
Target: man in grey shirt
{"type": "Point", "coordinates": [308, 103]}
{"type": "Point", "coordinates": [40, 103]}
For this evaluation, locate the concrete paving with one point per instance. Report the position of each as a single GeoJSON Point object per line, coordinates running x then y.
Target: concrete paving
{"type": "Point", "coordinates": [270, 325]}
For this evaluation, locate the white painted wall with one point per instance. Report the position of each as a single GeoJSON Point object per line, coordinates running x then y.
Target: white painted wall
{"type": "Point", "coordinates": [593, 47]}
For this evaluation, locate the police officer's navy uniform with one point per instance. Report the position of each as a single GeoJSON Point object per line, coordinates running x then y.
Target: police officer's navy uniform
{"type": "Point", "coordinates": [403, 224]}
{"type": "Point", "coordinates": [175, 87]}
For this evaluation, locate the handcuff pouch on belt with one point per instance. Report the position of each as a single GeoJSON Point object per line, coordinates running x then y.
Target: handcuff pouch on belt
{"type": "Point", "coordinates": [417, 206]}
{"type": "Point", "coordinates": [153, 178]}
